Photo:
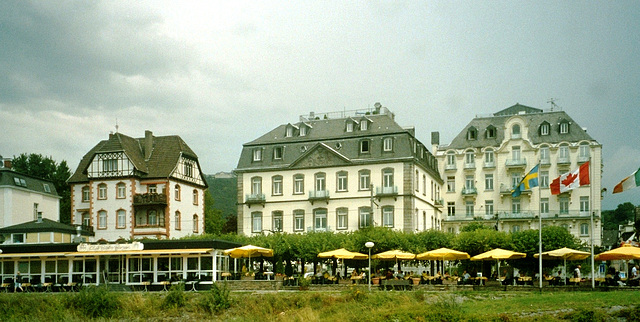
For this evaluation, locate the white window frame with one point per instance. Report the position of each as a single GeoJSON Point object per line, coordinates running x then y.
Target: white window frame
{"type": "Point", "coordinates": [298, 220]}
{"type": "Point", "coordinates": [298, 184]}
{"type": "Point", "coordinates": [451, 184]}
{"type": "Point", "coordinates": [102, 219]}
{"type": "Point", "coordinates": [257, 154]}
{"type": "Point", "coordinates": [320, 219]}
{"type": "Point", "coordinates": [121, 218]}
{"type": "Point", "coordinates": [488, 181]}
{"type": "Point", "coordinates": [278, 220]}
{"type": "Point", "coordinates": [544, 206]}
{"type": "Point", "coordinates": [488, 207]}
{"type": "Point", "coordinates": [256, 222]}
{"type": "Point", "coordinates": [387, 216]}
{"type": "Point", "coordinates": [364, 180]}
{"type": "Point", "coordinates": [387, 144]}
{"type": "Point", "coordinates": [342, 218]}
{"type": "Point", "coordinates": [342, 181]}
{"type": "Point", "coordinates": [469, 208]}
{"type": "Point", "coordinates": [277, 185]}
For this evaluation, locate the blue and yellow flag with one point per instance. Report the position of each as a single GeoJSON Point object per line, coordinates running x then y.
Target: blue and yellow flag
{"type": "Point", "coordinates": [529, 181]}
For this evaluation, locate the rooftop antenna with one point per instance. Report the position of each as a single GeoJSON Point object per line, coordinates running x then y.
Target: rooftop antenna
{"type": "Point", "coordinates": [552, 101]}
{"type": "Point", "coordinates": [116, 125]}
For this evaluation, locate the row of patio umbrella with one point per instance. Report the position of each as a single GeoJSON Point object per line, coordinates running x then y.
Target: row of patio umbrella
{"type": "Point", "coordinates": [626, 252]}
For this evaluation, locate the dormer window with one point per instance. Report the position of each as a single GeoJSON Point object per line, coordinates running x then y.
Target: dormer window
{"type": "Point", "coordinates": [364, 146]}
{"type": "Point", "coordinates": [303, 130]}
{"type": "Point", "coordinates": [472, 134]}
{"type": "Point", "coordinates": [289, 132]}
{"type": "Point", "coordinates": [564, 128]}
{"type": "Point", "coordinates": [491, 132]}
{"type": "Point", "coordinates": [277, 153]}
{"type": "Point", "coordinates": [349, 126]}
{"type": "Point", "coordinates": [46, 187]}
{"type": "Point", "coordinates": [364, 125]}
{"type": "Point", "coordinates": [257, 155]}
{"type": "Point", "coordinates": [387, 145]}
{"type": "Point", "coordinates": [545, 128]}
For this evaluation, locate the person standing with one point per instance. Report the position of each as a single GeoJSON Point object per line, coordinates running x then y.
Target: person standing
{"type": "Point", "coordinates": [18, 283]}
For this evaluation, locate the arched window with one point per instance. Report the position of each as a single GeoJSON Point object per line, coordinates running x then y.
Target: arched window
{"type": "Point", "coordinates": [195, 224]}
{"type": "Point", "coordinates": [177, 192]}
{"type": "Point", "coordinates": [102, 191]}
{"type": "Point", "coordinates": [121, 190]}
{"type": "Point", "coordinates": [102, 219]}
{"type": "Point", "coordinates": [178, 220]}
{"type": "Point", "coordinates": [121, 218]}
{"type": "Point", "coordinates": [86, 194]}
{"type": "Point", "coordinates": [515, 131]}
{"type": "Point", "coordinates": [195, 196]}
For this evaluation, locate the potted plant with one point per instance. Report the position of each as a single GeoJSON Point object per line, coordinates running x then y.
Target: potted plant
{"type": "Point", "coordinates": [416, 279]}
{"type": "Point", "coordinates": [303, 283]}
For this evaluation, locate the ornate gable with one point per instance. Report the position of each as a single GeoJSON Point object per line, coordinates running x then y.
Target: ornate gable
{"type": "Point", "coordinates": [320, 155]}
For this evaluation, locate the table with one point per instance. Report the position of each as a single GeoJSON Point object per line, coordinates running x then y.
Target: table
{"type": "Point", "coordinates": [268, 274]}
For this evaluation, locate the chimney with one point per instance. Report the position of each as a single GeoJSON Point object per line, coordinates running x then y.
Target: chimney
{"type": "Point", "coordinates": [377, 107]}
{"type": "Point", "coordinates": [148, 144]}
{"type": "Point", "coordinates": [435, 138]}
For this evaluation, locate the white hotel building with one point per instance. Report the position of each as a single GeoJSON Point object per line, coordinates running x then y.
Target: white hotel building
{"type": "Point", "coordinates": [338, 172]}
{"type": "Point", "coordinates": [491, 155]}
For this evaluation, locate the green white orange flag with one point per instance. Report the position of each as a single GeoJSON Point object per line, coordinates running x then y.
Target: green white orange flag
{"type": "Point", "coordinates": [629, 182]}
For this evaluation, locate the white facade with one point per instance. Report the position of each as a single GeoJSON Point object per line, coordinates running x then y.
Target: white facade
{"type": "Point", "coordinates": [19, 204]}
{"type": "Point", "coordinates": [324, 179]}
{"type": "Point", "coordinates": [480, 173]}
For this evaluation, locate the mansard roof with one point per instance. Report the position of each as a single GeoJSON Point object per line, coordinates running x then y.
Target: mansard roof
{"type": "Point", "coordinates": [8, 178]}
{"type": "Point", "coordinates": [166, 151]}
{"type": "Point", "coordinates": [533, 119]}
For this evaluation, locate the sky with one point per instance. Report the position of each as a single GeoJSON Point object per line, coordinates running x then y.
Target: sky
{"type": "Point", "coordinates": [223, 73]}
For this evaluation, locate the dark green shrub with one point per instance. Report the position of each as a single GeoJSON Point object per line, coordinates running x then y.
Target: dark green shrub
{"type": "Point", "coordinates": [95, 302]}
{"type": "Point", "coordinates": [630, 314]}
{"type": "Point", "coordinates": [585, 315]}
{"type": "Point", "coordinates": [175, 297]}
{"type": "Point", "coordinates": [216, 300]}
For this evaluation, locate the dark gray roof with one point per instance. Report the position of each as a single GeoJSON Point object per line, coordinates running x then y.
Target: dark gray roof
{"type": "Point", "coordinates": [7, 178]}
{"type": "Point", "coordinates": [163, 160]}
{"type": "Point", "coordinates": [534, 118]}
{"type": "Point", "coordinates": [45, 225]}
{"type": "Point", "coordinates": [327, 143]}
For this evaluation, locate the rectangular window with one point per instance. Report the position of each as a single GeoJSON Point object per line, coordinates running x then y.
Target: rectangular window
{"type": "Point", "coordinates": [277, 153]}
{"type": "Point", "coordinates": [350, 127]}
{"type": "Point", "coordinates": [489, 158]}
{"type": "Point", "coordinates": [388, 144]}
{"type": "Point", "coordinates": [544, 155]}
{"type": "Point", "coordinates": [488, 206]}
{"type": "Point", "coordinates": [256, 222]}
{"type": "Point", "coordinates": [544, 206]}
{"type": "Point", "coordinates": [342, 218]}
{"type": "Point", "coordinates": [110, 165]}
{"type": "Point", "coordinates": [488, 181]}
{"type": "Point", "coordinates": [451, 184]}
{"type": "Point", "coordinates": [469, 208]}
{"type": "Point", "coordinates": [469, 158]}
{"type": "Point", "coordinates": [298, 184]}
{"type": "Point", "coordinates": [544, 129]}
{"type": "Point", "coordinates": [515, 153]}
{"type": "Point", "coordinates": [320, 182]}
{"type": "Point", "coordinates": [365, 217]}
{"type": "Point", "coordinates": [584, 205]}
{"type": "Point", "coordinates": [102, 191]}
{"type": "Point", "coordinates": [584, 151]}
{"type": "Point", "coordinates": [256, 186]}
{"type": "Point", "coordinates": [46, 187]}
{"type": "Point", "coordinates": [469, 182]}
{"type": "Point", "coordinates": [303, 130]}
{"type": "Point", "coordinates": [564, 128]}
{"type": "Point", "coordinates": [320, 219]}
{"type": "Point", "coordinates": [121, 191]}
{"type": "Point", "coordinates": [178, 221]}
{"type": "Point", "coordinates": [277, 221]}
{"type": "Point", "coordinates": [451, 209]}
{"type": "Point", "coordinates": [563, 153]}
{"type": "Point", "coordinates": [298, 217]}
{"type": "Point", "coordinates": [515, 179]}
{"type": "Point", "coordinates": [387, 216]}
{"type": "Point", "coordinates": [277, 185]}
{"type": "Point", "coordinates": [188, 169]}
{"type": "Point", "coordinates": [257, 155]}
{"type": "Point", "coordinates": [342, 181]}
{"type": "Point", "coordinates": [365, 178]}
{"type": "Point", "coordinates": [152, 188]}
{"type": "Point", "coordinates": [515, 206]}
{"type": "Point", "coordinates": [364, 125]}
{"type": "Point", "coordinates": [544, 179]}
{"type": "Point", "coordinates": [364, 146]}
{"type": "Point", "coordinates": [584, 229]}
{"type": "Point", "coordinates": [564, 205]}
{"type": "Point", "coordinates": [121, 219]}
{"type": "Point", "coordinates": [102, 220]}
{"type": "Point", "coordinates": [85, 194]}
{"type": "Point", "coordinates": [451, 159]}
{"type": "Point", "coordinates": [387, 178]}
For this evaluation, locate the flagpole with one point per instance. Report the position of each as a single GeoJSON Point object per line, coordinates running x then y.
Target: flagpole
{"type": "Point", "coordinates": [539, 235]}
{"type": "Point", "coordinates": [593, 274]}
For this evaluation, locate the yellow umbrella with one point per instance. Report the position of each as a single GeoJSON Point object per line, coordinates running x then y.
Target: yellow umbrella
{"type": "Point", "coordinates": [442, 254]}
{"type": "Point", "coordinates": [626, 252]}
{"type": "Point", "coordinates": [342, 254]}
{"type": "Point", "coordinates": [498, 254]}
{"type": "Point", "coordinates": [565, 254]}
{"type": "Point", "coordinates": [394, 255]}
{"type": "Point", "coordinates": [249, 251]}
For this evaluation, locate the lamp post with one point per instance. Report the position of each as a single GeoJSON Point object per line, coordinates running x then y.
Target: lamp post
{"type": "Point", "coordinates": [369, 245]}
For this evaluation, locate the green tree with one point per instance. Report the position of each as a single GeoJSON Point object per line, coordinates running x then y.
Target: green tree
{"type": "Point", "coordinates": [46, 168]}
{"type": "Point", "coordinates": [473, 226]}
{"type": "Point", "coordinates": [553, 237]}
{"type": "Point", "coordinates": [213, 221]}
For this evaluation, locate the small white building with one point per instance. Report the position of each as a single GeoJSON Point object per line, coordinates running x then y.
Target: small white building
{"type": "Point", "coordinates": [150, 187]}
{"type": "Point", "coordinates": [24, 198]}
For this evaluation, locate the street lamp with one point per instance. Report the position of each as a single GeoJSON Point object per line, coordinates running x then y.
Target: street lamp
{"type": "Point", "coordinates": [369, 245]}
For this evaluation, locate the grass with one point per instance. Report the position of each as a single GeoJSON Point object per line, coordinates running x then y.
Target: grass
{"type": "Point", "coordinates": [356, 304]}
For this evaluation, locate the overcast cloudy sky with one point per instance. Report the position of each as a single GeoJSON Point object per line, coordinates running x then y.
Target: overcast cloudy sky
{"type": "Point", "coordinates": [222, 73]}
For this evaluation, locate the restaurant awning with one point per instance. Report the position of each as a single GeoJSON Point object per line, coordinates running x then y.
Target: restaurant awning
{"type": "Point", "coordinates": [142, 252]}
{"type": "Point", "coordinates": [10, 255]}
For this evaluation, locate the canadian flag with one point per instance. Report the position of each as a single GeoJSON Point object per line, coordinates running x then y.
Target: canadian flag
{"type": "Point", "coordinates": [571, 180]}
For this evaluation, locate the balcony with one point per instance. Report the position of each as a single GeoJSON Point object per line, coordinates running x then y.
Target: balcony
{"type": "Point", "coordinates": [564, 160]}
{"type": "Point", "coordinates": [516, 163]}
{"type": "Point", "coordinates": [149, 199]}
{"type": "Point", "coordinates": [450, 167]}
{"type": "Point", "coordinates": [318, 195]}
{"type": "Point", "coordinates": [545, 162]}
{"type": "Point", "coordinates": [506, 191]}
{"type": "Point", "coordinates": [471, 191]}
{"type": "Point", "coordinates": [386, 191]}
{"type": "Point", "coordinates": [517, 215]}
{"type": "Point", "coordinates": [252, 199]}
{"type": "Point", "coordinates": [439, 203]}
{"type": "Point", "coordinates": [583, 158]}
{"type": "Point", "coordinates": [469, 165]}
{"type": "Point", "coordinates": [319, 229]}
{"type": "Point", "coordinates": [489, 165]}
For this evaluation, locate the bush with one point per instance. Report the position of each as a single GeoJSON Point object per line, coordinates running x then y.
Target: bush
{"type": "Point", "coordinates": [630, 314]}
{"type": "Point", "coordinates": [95, 302]}
{"type": "Point", "coordinates": [175, 298]}
{"type": "Point", "coordinates": [216, 300]}
{"type": "Point", "coordinates": [585, 315]}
